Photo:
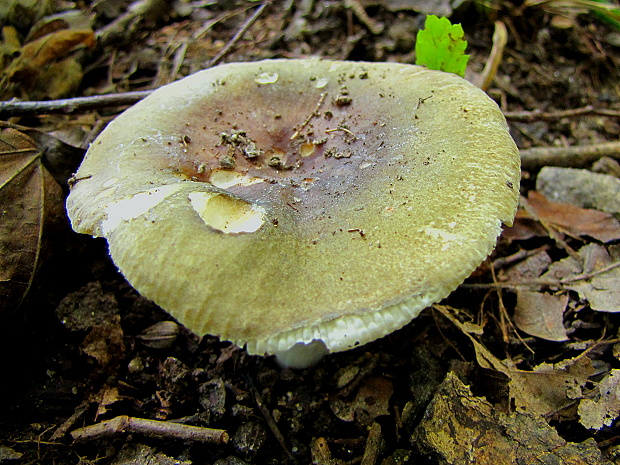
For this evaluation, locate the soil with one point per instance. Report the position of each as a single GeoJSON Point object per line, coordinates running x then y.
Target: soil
{"type": "Point", "coordinates": [85, 347]}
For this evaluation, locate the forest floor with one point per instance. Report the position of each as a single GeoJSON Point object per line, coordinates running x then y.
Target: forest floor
{"type": "Point", "coordinates": [521, 364]}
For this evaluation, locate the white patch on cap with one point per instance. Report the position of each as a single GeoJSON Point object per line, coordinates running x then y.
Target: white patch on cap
{"type": "Point", "coordinates": [446, 237]}
{"type": "Point", "coordinates": [267, 78]}
{"type": "Point", "coordinates": [227, 214]}
{"type": "Point", "coordinates": [135, 206]}
{"type": "Point", "coordinates": [226, 178]}
{"type": "Point", "coordinates": [320, 83]}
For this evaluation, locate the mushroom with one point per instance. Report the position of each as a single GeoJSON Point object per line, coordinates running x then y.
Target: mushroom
{"type": "Point", "coordinates": [300, 207]}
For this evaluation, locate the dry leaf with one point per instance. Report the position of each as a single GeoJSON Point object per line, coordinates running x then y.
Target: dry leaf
{"type": "Point", "coordinates": [105, 343]}
{"type": "Point", "coordinates": [31, 200]}
{"type": "Point", "coordinates": [108, 396]}
{"type": "Point", "coordinates": [602, 289]}
{"type": "Point", "coordinates": [523, 228]}
{"type": "Point", "coordinates": [36, 68]}
{"type": "Point", "coordinates": [48, 49]}
{"type": "Point", "coordinates": [541, 314]}
{"type": "Point", "coordinates": [550, 388]}
{"type": "Point", "coordinates": [572, 220]}
{"type": "Point", "coordinates": [461, 428]}
{"type": "Point", "coordinates": [530, 268]}
{"type": "Point", "coordinates": [28, 196]}
{"type": "Point", "coordinates": [604, 409]}
{"type": "Point", "coordinates": [372, 400]}
{"type": "Point", "coordinates": [546, 389]}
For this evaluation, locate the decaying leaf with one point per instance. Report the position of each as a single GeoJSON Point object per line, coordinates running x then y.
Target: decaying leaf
{"type": "Point", "coordinates": [105, 398]}
{"type": "Point", "coordinates": [571, 220]}
{"type": "Point", "coordinates": [546, 389]}
{"type": "Point", "coordinates": [459, 427]}
{"type": "Point", "coordinates": [31, 199]}
{"type": "Point", "coordinates": [602, 287]}
{"type": "Point", "coordinates": [523, 228]}
{"type": "Point", "coordinates": [372, 400]}
{"type": "Point", "coordinates": [23, 12]}
{"type": "Point", "coordinates": [28, 194]}
{"type": "Point", "coordinates": [541, 314]}
{"type": "Point", "coordinates": [105, 343]}
{"type": "Point", "coordinates": [602, 410]}
{"type": "Point", "coordinates": [529, 268]}
{"type": "Point", "coordinates": [44, 68]}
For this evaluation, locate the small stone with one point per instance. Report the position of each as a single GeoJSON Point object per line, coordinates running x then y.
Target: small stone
{"type": "Point", "coordinates": [581, 188]}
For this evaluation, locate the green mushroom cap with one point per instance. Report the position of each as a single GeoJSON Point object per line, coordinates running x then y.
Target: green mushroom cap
{"type": "Point", "coordinates": [300, 207]}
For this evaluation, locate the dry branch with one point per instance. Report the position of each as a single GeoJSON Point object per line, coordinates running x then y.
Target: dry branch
{"type": "Point", "coordinates": [540, 115]}
{"type": "Point", "coordinates": [125, 424]}
{"type": "Point", "coordinates": [70, 105]}
{"type": "Point", "coordinates": [573, 157]}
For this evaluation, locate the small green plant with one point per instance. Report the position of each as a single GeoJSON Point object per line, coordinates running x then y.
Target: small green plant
{"type": "Point", "coordinates": [441, 46]}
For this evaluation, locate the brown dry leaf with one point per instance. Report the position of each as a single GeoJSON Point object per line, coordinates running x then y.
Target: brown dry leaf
{"type": "Point", "coordinates": [51, 47]}
{"type": "Point", "coordinates": [541, 314]}
{"type": "Point", "coordinates": [530, 268]}
{"type": "Point", "coordinates": [372, 400]}
{"type": "Point", "coordinates": [523, 228]}
{"type": "Point", "coordinates": [105, 343]}
{"type": "Point", "coordinates": [29, 196]}
{"type": "Point", "coordinates": [458, 427]}
{"type": "Point", "coordinates": [602, 288]}
{"type": "Point", "coordinates": [484, 357]}
{"type": "Point", "coordinates": [595, 413]}
{"type": "Point", "coordinates": [36, 68]}
{"type": "Point", "coordinates": [548, 389]}
{"type": "Point", "coordinates": [573, 220]}
{"type": "Point", "coordinates": [107, 396]}
{"type": "Point", "coordinates": [545, 390]}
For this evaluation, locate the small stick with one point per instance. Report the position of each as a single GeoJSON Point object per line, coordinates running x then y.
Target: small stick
{"type": "Point", "coordinates": [125, 424]}
{"type": "Point", "coordinates": [500, 38]}
{"type": "Point", "coordinates": [70, 105]}
{"type": "Point", "coordinates": [312, 115]}
{"type": "Point", "coordinates": [62, 429]}
{"type": "Point", "coordinates": [373, 26]}
{"type": "Point", "coordinates": [374, 444]}
{"type": "Point", "coordinates": [575, 156]}
{"type": "Point", "coordinates": [502, 262]}
{"type": "Point", "coordinates": [271, 422]}
{"type": "Point", "coordinates": [231, 43]}
{"type": "Point", "coordinates": [540, 282]}
{"type": "Point", "coordinates": [540, 115]}
{"type": "Point", "coordinates": [345, 130]}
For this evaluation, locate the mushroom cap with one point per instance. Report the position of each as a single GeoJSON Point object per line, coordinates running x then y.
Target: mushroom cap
{"type": "Point", "coordinates": [288, 201]}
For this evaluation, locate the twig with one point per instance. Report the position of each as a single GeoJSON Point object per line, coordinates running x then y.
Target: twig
{"type": "Point", "coordinates": [231, 43]}
{"type": "Point", "coordinates": [312, 115]}
{"type": "Point", "coordinates": [575, 156]}
{"type": "Point", "coordinates": [271, 423]}
{"type": "Point", "coordinates": [68, 423]}
{"type": "Point", "coordinates": [540, 115]}
{"type": "Point", "coordinates": [125, 424]}
{"type": "Point", "coordinates": [500, 38]}
{"type": "Point", "coordinates": [343, 129]}
{"type": "Point", "coordinates": [358, 9]}
{"type": "Point", "coordinates": [502, 262]}
{"type": "Point", "coordinates": [591, 274]}
{"type": "Point", "coordinates": [542, 282]}
{"type": "Point", "coordinates": [374, 444]}
{"type": "Point", "coordinates": [70, 105]}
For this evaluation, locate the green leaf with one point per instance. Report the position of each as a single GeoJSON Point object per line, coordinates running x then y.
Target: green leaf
{"type": "Point", "coordinates": [441, 46]}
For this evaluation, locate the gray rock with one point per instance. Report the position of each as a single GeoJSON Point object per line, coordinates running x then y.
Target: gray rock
{"type": "Point", "coordinates": [580, 187]}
